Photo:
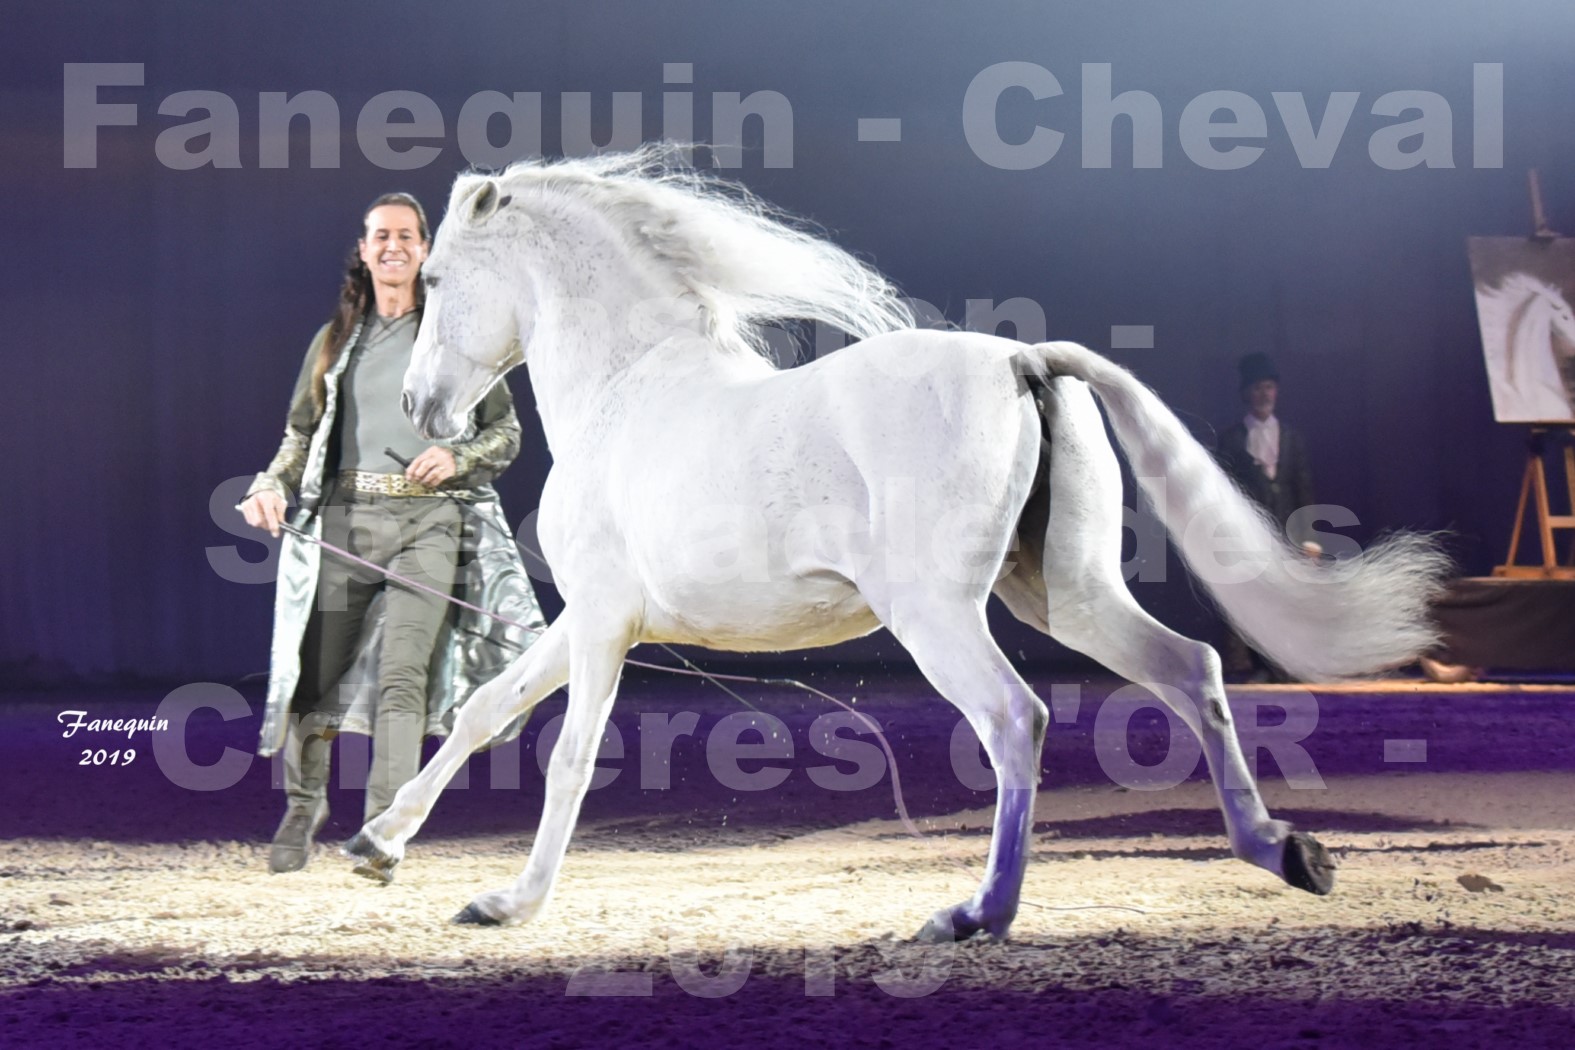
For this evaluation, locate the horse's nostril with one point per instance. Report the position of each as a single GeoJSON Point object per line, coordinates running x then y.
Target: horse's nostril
{"type": "Point", "coordinates": [406, 402]}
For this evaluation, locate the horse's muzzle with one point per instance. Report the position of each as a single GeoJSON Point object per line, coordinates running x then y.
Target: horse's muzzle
{"type": "Point", "coordinates": [429, 414]}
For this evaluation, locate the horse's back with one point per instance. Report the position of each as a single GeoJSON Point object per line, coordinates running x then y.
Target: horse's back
{"type": "Point", "coordinates": [899, 402]}
{"type": "Point", "coordinates": [948, 407]}
{"type": "Point", "coordinates": [759, 504]}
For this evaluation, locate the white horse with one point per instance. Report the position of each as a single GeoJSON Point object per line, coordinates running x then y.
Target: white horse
{"type": "Point", "coordinates": [700, 495]}
{"type": "Point", "coordinates": [1528, 339]}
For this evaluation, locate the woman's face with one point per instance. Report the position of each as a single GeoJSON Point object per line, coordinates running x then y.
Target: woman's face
{"type": "Point", "coordinates": [392, 248]}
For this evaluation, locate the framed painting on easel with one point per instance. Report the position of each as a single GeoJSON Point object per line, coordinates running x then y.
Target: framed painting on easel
{"type": "Point", "coordinates": [1524, 291]}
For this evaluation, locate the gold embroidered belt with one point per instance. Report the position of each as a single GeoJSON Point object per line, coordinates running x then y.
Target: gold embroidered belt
{"type": "Point", "coordinates": [383, 484]}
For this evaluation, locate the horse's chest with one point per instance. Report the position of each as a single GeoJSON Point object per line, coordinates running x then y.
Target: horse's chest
{"type": "Point", "coordinates": [574, 522]}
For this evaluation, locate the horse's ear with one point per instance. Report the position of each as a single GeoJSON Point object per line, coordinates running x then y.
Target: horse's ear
{"type": "Point", "coordinates": [485, 201]}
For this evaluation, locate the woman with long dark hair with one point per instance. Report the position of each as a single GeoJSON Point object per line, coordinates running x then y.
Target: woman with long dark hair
{"type": "Point", "coordinates": [353, 649]}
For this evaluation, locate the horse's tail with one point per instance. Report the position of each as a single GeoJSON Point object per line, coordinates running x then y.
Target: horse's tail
{"type": "Point", "coordinates": [1318, 620]}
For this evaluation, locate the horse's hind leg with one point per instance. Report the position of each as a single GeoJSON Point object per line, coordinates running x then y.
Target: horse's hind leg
{"type": "Point", "coordinates": [1090, 609]}
{"type": "Point", "coordinates": [1108, 625]}
{"type": "Point", "coordinates": [542, 668]}
{"type": "Point", "coordinates": [952, 646]}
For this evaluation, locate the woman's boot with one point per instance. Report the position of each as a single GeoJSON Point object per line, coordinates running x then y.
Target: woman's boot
{"type": "Point", "coordinates": [306, 756]}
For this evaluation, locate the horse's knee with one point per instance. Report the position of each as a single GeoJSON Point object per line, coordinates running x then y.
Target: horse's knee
{"type": "Point", "coordinates": [474, 723]}
{"type": "Point", "coordinates": [490, 709]}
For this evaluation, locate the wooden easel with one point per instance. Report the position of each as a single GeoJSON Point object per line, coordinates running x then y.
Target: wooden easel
{"type": "Point", "coordinates": [1534, 485]}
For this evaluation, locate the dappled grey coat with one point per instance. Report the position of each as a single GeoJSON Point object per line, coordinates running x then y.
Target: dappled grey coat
{"type": "Point", "coordinates": [471, 648]}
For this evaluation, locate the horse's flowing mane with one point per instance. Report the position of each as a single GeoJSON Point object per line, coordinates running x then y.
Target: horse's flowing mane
{"type": "Point", "coordinates": [1519, 284]}
{"type": "Point", "coordinates": [745, 263]}
{"type": "Point", "coordinates": [1512, 299]}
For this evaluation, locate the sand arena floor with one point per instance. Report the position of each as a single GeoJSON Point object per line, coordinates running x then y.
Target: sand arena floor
{"type": "Point", "coordinates": [134, 911]}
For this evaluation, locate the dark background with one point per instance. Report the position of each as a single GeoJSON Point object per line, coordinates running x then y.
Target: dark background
{"type": "Point", "coordinates": [155, 318]}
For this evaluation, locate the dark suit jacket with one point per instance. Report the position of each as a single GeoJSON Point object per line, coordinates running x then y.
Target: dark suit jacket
{"type": "Point", "coordinates": [1291, 488]}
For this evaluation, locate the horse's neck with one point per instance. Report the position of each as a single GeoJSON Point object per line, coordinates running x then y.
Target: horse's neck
{"type": "Point", "coordinates": [584, 344]}
{"type": "Point", "coordinates": [602, 315]}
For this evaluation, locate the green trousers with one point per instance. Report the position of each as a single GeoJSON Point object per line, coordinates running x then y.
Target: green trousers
{"type": "Point", "coordinates": [416, 537]}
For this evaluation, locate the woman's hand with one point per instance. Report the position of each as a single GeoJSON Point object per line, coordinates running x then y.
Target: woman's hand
{"type": "Point", "coordinates": [264, 509]}
{"type": "Point", "coordinates": [432, 467]}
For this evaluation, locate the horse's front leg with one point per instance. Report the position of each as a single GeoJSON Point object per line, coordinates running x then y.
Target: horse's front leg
{"type": "Point", "coordinates": [595, 662]}
{"type": "Point", "coordinates": [380, 845]}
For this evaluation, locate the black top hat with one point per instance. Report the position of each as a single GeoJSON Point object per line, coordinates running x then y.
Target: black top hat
{"type": "Point", "coordinates": [1255, 368]}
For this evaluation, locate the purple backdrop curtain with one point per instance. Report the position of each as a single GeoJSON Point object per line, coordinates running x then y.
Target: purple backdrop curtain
{"type": "Point", "coordinates": [155, 318]}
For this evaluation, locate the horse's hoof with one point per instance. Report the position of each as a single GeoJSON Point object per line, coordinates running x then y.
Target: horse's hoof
{"type": "Point", "coordinates": [371, 862]}
{"type": "Point", "coordinates": [938, 930]}
{"type": "Point", "coordinates": [1307, 865]}
{"type": "Point", "coordinates": [378, 873]}
{"type": "Point", "coordinates": [470, 915]}
{"type": "Point", "coordinates": [954, 924]}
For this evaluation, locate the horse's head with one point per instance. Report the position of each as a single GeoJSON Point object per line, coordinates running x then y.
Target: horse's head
{"type": "Point", "coordinates": [1537, 321]}
{"type": "Point", "coordinates": [470, 329]}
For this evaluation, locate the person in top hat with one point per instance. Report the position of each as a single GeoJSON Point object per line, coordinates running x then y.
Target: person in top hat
{"type": "Point", "coordinates": [1268, 459]}
{"type": "Point", "coordinates": [1265, 457]}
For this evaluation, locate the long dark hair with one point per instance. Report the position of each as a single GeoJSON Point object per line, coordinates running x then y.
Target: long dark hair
{"type": "Point", "coordinates": [356, 297]}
